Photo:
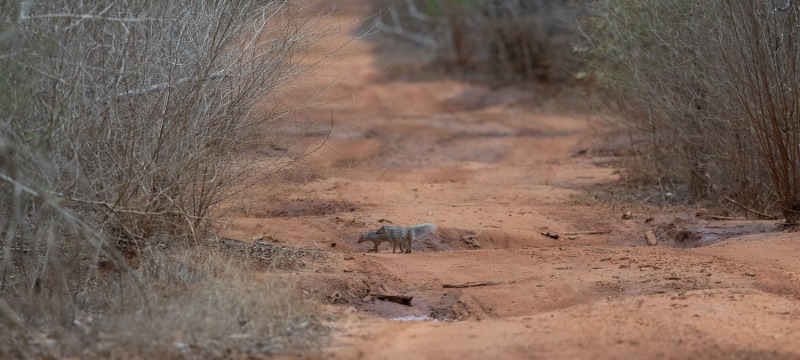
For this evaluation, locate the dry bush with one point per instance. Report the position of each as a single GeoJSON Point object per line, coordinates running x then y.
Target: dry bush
{"type": "Point", "coordinates": [635, 49]}
{"type": "Point", "coordinates": [508, 41]}
{"type": "Point", "coordinates": [141, 108]}
{"type": "Point", "coordinates": [694, 79]}
{"type": "Point", "coordinates": [124, 123]}
{"type": "Point", "coordinates": [764, 71]}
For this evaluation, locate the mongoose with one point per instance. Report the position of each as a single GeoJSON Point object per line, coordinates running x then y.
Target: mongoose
{"type": "Point", "coordinates": [397, 235]}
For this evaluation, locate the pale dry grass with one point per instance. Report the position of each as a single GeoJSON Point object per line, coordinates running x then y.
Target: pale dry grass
{"type": "Point", "coordinates": [191, 302]}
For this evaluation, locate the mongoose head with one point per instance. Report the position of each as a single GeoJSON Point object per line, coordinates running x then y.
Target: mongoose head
{"type": "Point", "coordinates": [362, 238]}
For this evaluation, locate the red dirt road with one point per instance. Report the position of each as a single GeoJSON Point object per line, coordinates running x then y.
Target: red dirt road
{"type": "Point", "coordinates": [494, 168]}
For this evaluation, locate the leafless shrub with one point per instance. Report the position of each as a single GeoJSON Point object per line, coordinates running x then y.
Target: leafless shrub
{"type": "Point", "coordinates": [668, 66]}
{"type": "Point", "coordinates": [124, 123]}
{"type": "Point", "coordinates": [507, 40]}
{"type": "Point", "coordinates": [764, 70]}
{"type": "Point", "coordinates": [143, 106]}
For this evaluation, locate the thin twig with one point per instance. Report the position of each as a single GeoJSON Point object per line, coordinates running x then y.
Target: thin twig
{"type": "Point", "coordinates": [471, 284]}
{"type": "Point", "coordinates": [589, 232]}
{"type": "Point", "coordinates": [163, 86]}
{"type": "Point", "coordinates": [768, 217]}
{"type": "Point", "coordinates": [398, 30]}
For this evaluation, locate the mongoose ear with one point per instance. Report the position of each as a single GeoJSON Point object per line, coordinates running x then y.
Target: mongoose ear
{"type": "Point", "coordinates": [381, 230]}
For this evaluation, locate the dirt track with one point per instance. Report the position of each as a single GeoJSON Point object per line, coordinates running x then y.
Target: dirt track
{"type": "Point", "coordinates": [494, 169]}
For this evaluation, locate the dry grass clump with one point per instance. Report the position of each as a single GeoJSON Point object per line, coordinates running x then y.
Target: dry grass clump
{"type": "Point", "coordinates": [186, 302]}
{"type": "Point", "coordinates": [263, 255]}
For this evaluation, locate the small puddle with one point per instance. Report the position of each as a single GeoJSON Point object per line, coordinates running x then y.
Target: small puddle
{"type": "Point", "coordinates": [413, 318]}
{"type": "Point", "coordinates": [698, 236]}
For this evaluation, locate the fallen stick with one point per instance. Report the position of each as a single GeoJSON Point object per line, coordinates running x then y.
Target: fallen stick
{"type": "Point", "coordinates": [732, 218]}
{"type": "Point", "coordinates": [765, 216]}
{"type": "Point", "coordinates": [470, 284]}
{"type": "Point", "coordinates": [400, 299]}
{"type": "Point", "coordinates": [590, 232]}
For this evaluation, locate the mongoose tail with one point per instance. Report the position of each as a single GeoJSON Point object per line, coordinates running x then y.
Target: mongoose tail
{"type": "Point", "coordinates": [399, 236]}
{"type": "Point", "coordinates": [423, 229]}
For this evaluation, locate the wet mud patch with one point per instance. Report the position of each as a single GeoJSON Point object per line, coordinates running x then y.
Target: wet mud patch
{"type": "Point", "coordinates": [685, 233]}
{"type": "Point", "coordinates": [425, 306]}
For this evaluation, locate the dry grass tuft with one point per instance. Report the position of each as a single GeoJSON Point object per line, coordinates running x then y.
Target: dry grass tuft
{"type": "Point", "coordinates": [193, 302]}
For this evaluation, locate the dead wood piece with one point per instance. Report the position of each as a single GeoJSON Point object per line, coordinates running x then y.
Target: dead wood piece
{"type": "Point", "coordinates": [589, 232]}
{"type": "Point", "coordinates": [718, 217]}
{"type": "Point", "coordinates": [400, 299]}
{"type": "Point", "coordinates": [470, 284]}
{"type": "Point", "coordinates": [550, 234]}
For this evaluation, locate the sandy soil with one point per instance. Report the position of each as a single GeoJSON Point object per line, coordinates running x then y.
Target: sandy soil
{"type": "Point", "coordinates": [494, 168]}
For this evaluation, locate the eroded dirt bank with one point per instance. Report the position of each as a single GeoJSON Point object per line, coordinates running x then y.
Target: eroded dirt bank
{"type": "Point", "coordinates": [494, 168]}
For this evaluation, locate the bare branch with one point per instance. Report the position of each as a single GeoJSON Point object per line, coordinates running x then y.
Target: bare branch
{"type": "Point", "coordinates": [398, 30]}
{"type": "Point", "coordinates": [164, 86]}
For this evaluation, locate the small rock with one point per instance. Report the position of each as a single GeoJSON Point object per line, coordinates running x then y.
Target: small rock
{"type": "Point", "coordinates": [333, 244]}
{"type": "Point", "coordinates": [550, 234]}
{"type": "Point", "coordinates": [749, 273]}
{"type": "Point", "coordinates": [701, 212]}
{"type": "Point", "coordinates": [349, 257]}
{"type": "Point", "coordinates": [650, 236]}
{"type": "Point", "coordinates": [649, 220]}
{"type": "Point", "coordinates": [470, 240]}
{"type": "Point", "coordinates": [627, 215]}
{"type": "Point", "coordinates": [333, 297]}
{"type": "Point", "coordinates": [257, 238]}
